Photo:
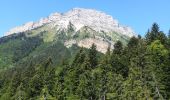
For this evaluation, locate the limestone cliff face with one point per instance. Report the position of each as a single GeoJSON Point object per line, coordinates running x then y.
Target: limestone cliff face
{"type": "Point", "coordinates": [87, 43]}
{"type": "Point", "coordinates": [80, 26]}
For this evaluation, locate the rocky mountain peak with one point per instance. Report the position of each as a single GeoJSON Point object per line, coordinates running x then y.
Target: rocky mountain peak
{"type": "Point", "coordinates": [79, 17]}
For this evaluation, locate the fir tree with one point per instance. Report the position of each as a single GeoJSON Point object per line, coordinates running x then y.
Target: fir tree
{"type": "Point", "coordinates": [118, 47]}
{"type": "Point", "coordinates": [155, 34]}
{"type": "Point", "coordinates": [155, 28]}
{"type": "Point", "coordinates": [133, 42]}
{"type": "Point", "coordinates": [159, 57]}
{"type": "Point", "coordinates": [93, 56]}
{"type": "Point", "coordinates": [140, 83]}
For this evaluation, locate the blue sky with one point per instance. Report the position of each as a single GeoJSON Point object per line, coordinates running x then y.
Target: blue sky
{"type": "Point", "coordinates": [138, 14]}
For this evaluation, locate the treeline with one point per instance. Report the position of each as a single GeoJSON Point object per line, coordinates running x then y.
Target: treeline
{"type": "Point", "coordinates": [139, 71]}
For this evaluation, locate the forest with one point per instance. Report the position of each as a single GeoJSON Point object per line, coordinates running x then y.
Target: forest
{"type": "Point", "coordinates": [138, 71]}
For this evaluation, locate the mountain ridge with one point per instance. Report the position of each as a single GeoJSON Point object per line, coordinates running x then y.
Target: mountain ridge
{"type": "Point", "coordinates": [79, 26]}
{"type": "Point", "coordinates": [79, 17]}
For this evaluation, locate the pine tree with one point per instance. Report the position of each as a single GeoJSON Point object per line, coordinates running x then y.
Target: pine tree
{"type": "Point", "coordinates": [71, 80]}
{"type": "Point", "coordinates": [84, 80]}
{"type": "Point", "coordinates": [167, 76]}
{"type": "Point", "coordinates": [156, 34]}
{"type": "Point", "coordinates": [114, 86]}
{"type": "Point", "coordinates": [79, 58]}
{"type": "Point", "coordinates": [93, 56]}
{"type": "Point", "coordinates": [140, 82]}
{"type": "Point", "coordinates": [101, 73]}
{"type": "Point", "coordinates": [133, 42]}
{"type": "Point", "coordinates": [49, 79]}
{"type": "Point", "coordinates": [90, 89]}
{"type": "Point", "coordinates": [153, 34]}
{"type": "Point", "coordinates": [162, 37]}
{"type": "Point", "coordinates": [59, 83]}
{"type": "Point", "coordinates": [118, 47]}
{"type": "Point", "coordinates": [159, 57]}
{"type": "Point", "coordinates": [155, 28]}
{"type": "Point", "coordinates": [116, 60]}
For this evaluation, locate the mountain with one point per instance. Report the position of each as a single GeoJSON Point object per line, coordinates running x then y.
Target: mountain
{"type": "Point", "coordinates": [80, 26]}
{"type": "Point", "coordinates": [59, 34]}
{"type": "Point", "coordinates": [63, 57]}
{"type": "Point", "coordinates": [79, 17]}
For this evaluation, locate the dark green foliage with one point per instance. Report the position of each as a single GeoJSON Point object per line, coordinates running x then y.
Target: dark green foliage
{"type": "Point", "coordinates": [155, 28]}
{"type": "Point", "coordinates": [27, 46]}
{"type": "Point", "coordinates": [155, 34]}
{"type": "Point", "coordinates": [16, 48]}
{"type": "Point", "coordinates": [116, 60]}
{"type": "Point", "coordinates": [93, 56]}
{"type": "Point", "coordinates": [133, 42]}
{"type": "Point", "coordinates": [118, 47]}
{"type": "Point", "coordinates": [50, 71]}
{"type": "Point", "coordinates": [11, 37]}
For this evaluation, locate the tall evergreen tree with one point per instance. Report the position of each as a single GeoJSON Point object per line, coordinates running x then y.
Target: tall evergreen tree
{"type": "Point", "coordinates": [141, 82]}
{"type": "Point", "coordinates": [118, 47]}
{"type": "Point", "coordinates": [79, 58]}
{"type": "Point", "coordinates": [155, 34]}
{"type": "Point", "coordinates": [116, 60]}
{"type": "Point", "coordinates": [93, 56]}
{"type": "Point", "coordinates": [155, 28]}
{"type": "Point", "coordinates": [159, 57]}
{"type": "Point", "coordinates": [133, 42]}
